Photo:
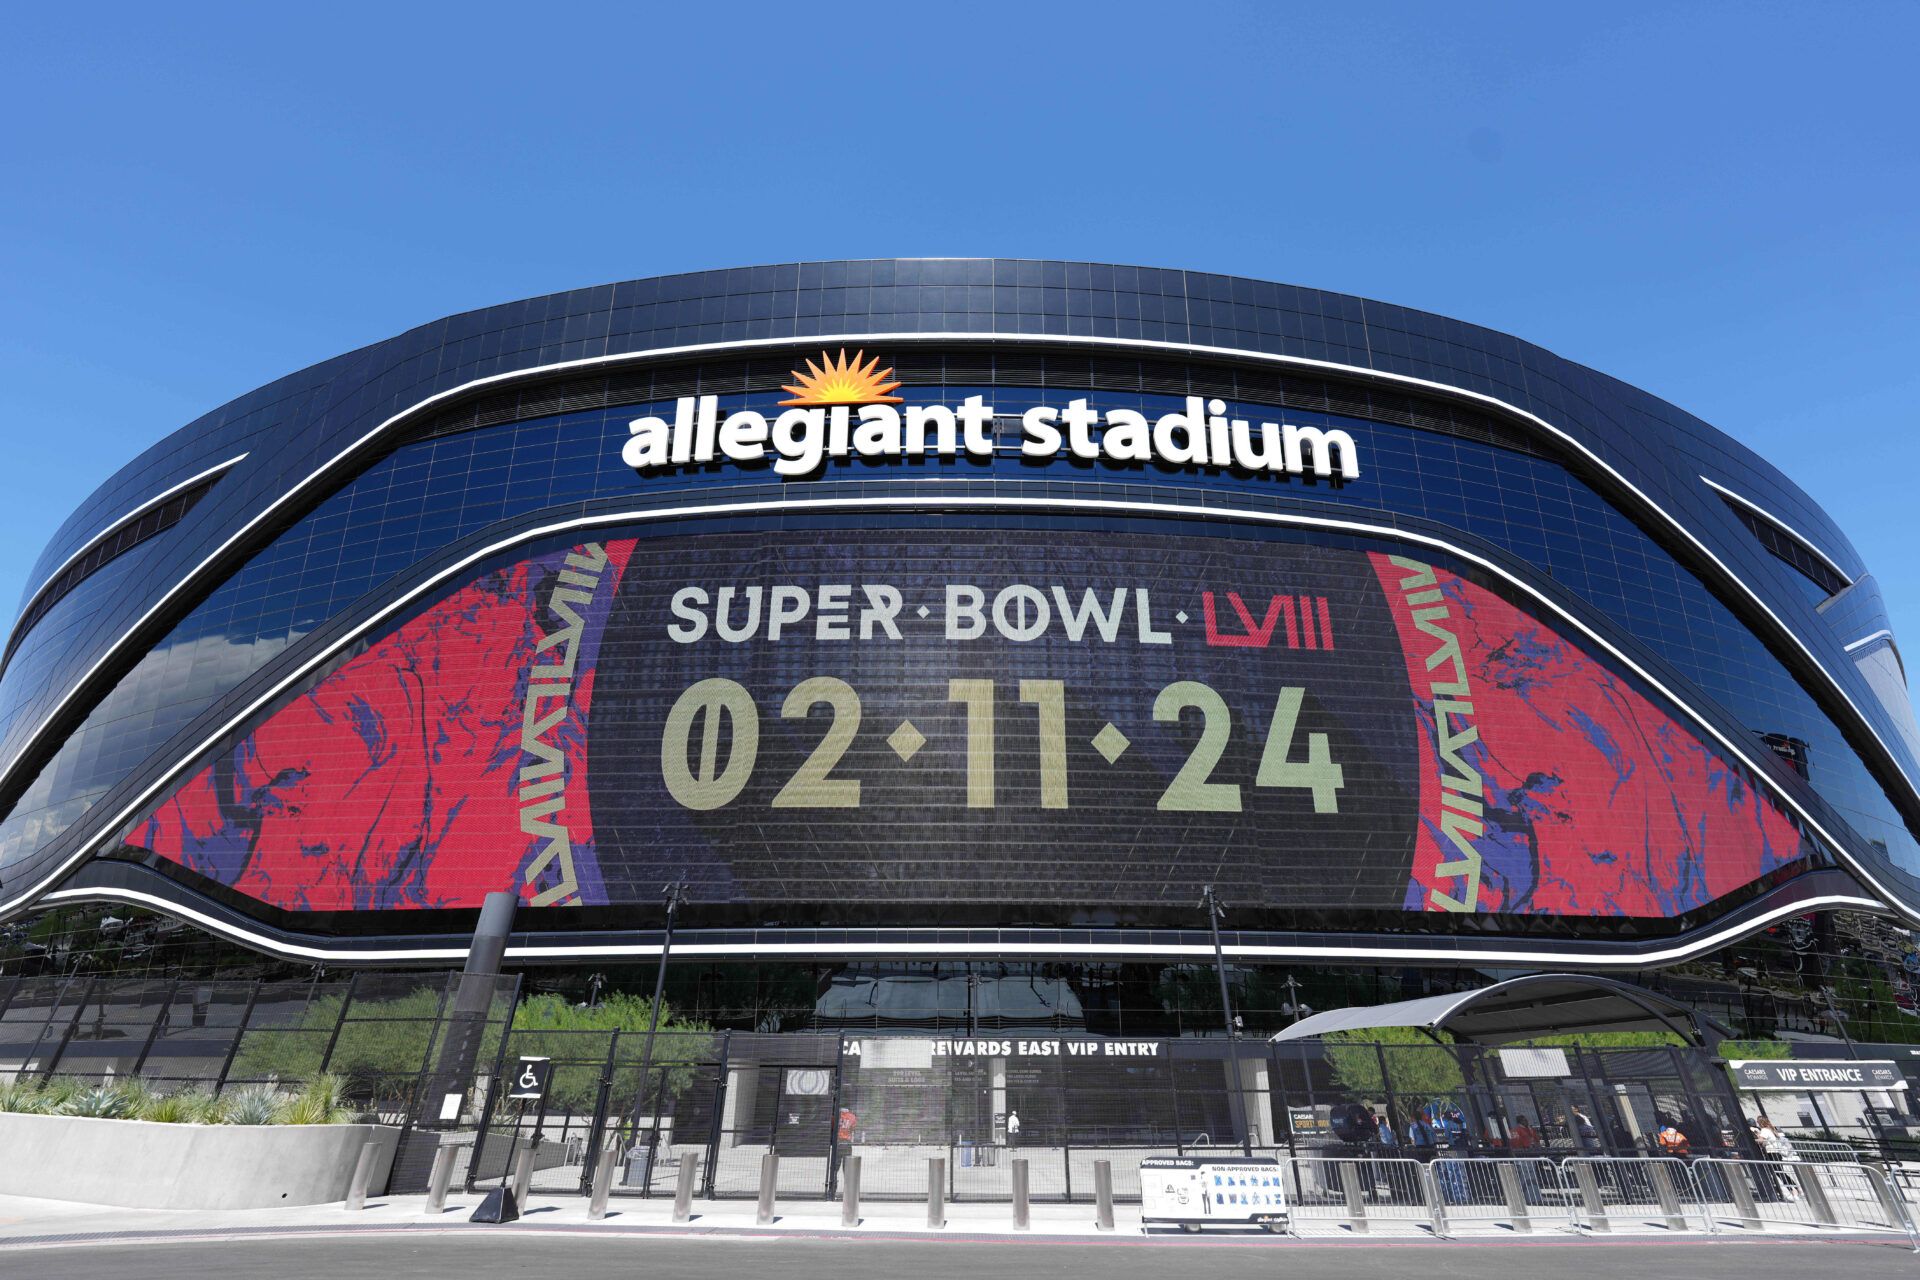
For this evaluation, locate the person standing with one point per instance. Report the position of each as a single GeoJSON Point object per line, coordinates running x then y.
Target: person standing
{"type": "Point", "coordinates": [1778, 1149]}
{"type": "Point", "coordinates": [1420, 1139]}
{"type": "Point", "coordinates": [1524, 1140]}
{"type": "Point", "coordinates": [1013, 1128]}
{"type": "Point", "coordinates": [1586, 1135]}
{"type": "Point", "coordinates": [846, 1124]}
{"type": "Point", "coordinates": [1524, 1136]}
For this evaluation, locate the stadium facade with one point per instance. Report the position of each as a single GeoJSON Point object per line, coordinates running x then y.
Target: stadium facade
{"type": "Point", "coordinates": [959, 610]}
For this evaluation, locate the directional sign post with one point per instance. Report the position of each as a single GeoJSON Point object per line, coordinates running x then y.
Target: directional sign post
{"type": "Point", "coordinates": [528, 1083]}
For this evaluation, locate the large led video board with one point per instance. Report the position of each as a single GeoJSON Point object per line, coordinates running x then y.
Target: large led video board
{"type": "Point", "coordinates": [891, 725]}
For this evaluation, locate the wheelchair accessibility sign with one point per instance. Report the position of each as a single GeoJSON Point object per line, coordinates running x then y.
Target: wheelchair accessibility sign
{"type": "Point", "coordinates": [529, 1079]}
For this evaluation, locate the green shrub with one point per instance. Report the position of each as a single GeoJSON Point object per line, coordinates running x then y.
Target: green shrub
{"type": "Point", "coordinates": [322, 1101]}
{"type": "Point", "coordinates": [136, 1095]}
{"type": "Point", "coordinates": [204, 1108]}
{"type": "Point", "coordinates": [27, 1097]}
{"type": "Point", "coordinates": [54, 1095]}
{"type": "Point", "coordinates": [171, 1108]}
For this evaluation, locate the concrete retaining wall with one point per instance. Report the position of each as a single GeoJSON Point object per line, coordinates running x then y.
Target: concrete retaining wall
{"type": "Point", "coordinates": [139, 1165]}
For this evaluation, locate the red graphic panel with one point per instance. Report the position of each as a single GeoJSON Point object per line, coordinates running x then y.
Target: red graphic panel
{"type": "Point", "coordinates": [446, 761]}
{"type": "Point", "coordinates": [1552, 786]}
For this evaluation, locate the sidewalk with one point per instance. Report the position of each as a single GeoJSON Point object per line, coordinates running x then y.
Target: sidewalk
{"type": "Point", "coordinates": [26, 1222]}
{"type": "Point", "coordinates": [45, 1221]}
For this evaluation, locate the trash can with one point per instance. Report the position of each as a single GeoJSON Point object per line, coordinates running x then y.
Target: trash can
{"type": "Point", "coordinates": [639, 1167]}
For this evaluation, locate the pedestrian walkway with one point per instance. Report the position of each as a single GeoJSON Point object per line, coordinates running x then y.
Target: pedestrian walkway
{"type": "Point", "coordinates": [36, 1223]}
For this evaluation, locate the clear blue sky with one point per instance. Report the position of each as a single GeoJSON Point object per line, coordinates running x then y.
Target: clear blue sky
{"type": "Point", "coordinates": [1716, 202]}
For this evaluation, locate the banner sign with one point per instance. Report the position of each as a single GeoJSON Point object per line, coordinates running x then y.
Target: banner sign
{"type": "Point", "coordinates": [1808, 1075]}
{"type": "Point", "coordinates": [912, 726]}
{"type": "Point", "coordinates": [1197, 1189]}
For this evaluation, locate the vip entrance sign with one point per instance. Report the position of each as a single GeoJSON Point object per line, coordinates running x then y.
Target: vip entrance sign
{"type": "Point", "coordinates": [840, 408]}
{"type": "Point", "coordinates": [1808, 1075]}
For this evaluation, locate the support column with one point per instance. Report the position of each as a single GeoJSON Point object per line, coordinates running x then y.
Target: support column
{"type": "Point", "coordinates": [467, 1023]}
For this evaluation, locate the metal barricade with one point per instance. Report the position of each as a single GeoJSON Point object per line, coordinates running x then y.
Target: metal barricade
{"type": "Point", "coordinates": [1761, 1195]}
{"type": "Point", "coordinates": [1822, 1151]}
{"type": "Point", "coordinates": [1636, 1193]}
{"type": "Point", "coordinates": [1359, 1195]}
{"type": "Point", "coordinates": [1519, 1193]}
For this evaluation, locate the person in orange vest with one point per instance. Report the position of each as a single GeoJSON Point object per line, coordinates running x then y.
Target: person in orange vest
{"type": "Point", "coordinates": [1673, 1142]}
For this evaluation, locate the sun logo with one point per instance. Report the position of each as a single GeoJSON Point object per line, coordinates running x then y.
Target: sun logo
{"type": "Point", "coordinates": [842, 382]}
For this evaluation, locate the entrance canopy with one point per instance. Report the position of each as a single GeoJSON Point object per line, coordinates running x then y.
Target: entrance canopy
{"type": "Point", "coordinates": [1523, 1008]}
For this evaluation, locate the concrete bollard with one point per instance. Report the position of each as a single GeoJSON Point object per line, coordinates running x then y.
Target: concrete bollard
{"type": "Point", "coordinates": [1742, 1192]}
{"type": "Point", "coordinates": [1815, 1191]}
{"type": "Point", "coordinates": [1103, 1194]}
{"type": "Point", "coordinates": [1356, 1202]}
{"type": "Point", "coordinates": [522, 1175]}
{"type": "Point", "coordinates": [1436, 1203]}
{"type": "Point", "coordinates": [850, 1192]}
{"type": "Point", "coordinates": [362, 1175]}
{"type": "Point", "coordinates": [440, 1179]}
{"type": "Point", "coordinates": [1516, 1199]}
{"type": "Point", "coordinates": [603, 1181]}
{"type": "Point", "coordinates": [769, 1183]}
{"type": "Point", "coordinates": [1891, 1207]}
{"type": "Point", "coordinates": [683, 1190]}
{"type": "Point", "coordinates": [1591, 1198]}
{"type": "Point", "coordinates": [1022, 1211]}
{"type": "Point", "coordinates": [1668, 1196]}
{"type": "Point", "coordinates": [936, 1192]}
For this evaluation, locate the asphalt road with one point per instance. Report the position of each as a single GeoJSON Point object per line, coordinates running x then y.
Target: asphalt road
{"type": "Point", "coordinates": [521, 1257]}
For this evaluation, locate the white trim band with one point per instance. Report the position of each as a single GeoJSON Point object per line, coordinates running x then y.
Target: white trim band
{"type": "Point", "coordinates": [1774, 520]}
{"type": "Point", "coordinates": [1679, 951]}
{"type": "Point", "coordinates": [1870, 637]}
{"type": "Point", "coordinates": [27, 606]}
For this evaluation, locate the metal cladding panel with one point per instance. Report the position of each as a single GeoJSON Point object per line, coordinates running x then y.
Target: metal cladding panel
{"type": "Point", "coordinates": [296, 428]}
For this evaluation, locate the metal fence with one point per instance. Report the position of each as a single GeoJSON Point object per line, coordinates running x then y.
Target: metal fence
{"type": "Point", "coordinates": [1349, 1117]}
{"type": "Point", "coordinates": [1356, 1195]}
{"type": "Point", "coordinates": [1523, 1194]}
{"type": "Point", "coordinates": [387, 1035]}
{"type": "Point", "coordinates": [1454, 1197]}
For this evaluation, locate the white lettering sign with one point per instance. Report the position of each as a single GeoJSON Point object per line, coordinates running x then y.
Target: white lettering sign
{"type": "Point", "coordinates": [802, 440]}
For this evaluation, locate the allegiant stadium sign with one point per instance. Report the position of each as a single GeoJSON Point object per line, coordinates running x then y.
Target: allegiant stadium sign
{"type": "Point", "coordinates": [841, 409]}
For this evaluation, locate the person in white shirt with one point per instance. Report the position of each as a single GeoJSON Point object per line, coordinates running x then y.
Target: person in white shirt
{"type": "Point", "coordinates": [1776, 1146]}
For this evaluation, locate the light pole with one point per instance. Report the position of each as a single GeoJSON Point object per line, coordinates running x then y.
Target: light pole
{"type": "Point", "coordinates": [674, 894]}
{"type": "Point", "coordinates": [1216, 912]}
{"type": "Point", "coordinates": [1294, 1008]}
